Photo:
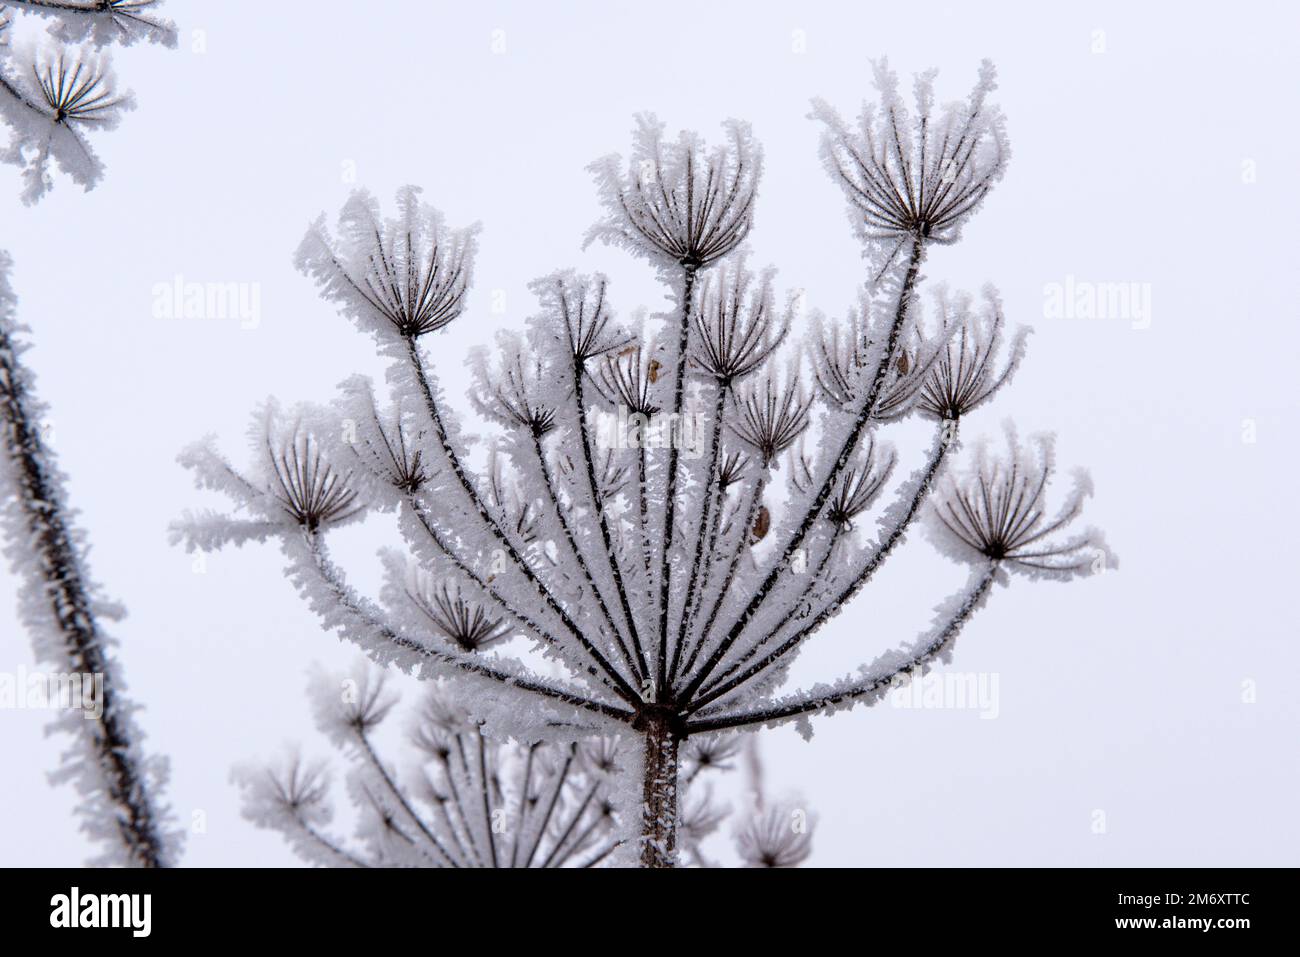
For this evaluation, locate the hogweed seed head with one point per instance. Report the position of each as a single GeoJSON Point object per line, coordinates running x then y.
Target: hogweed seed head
{"type": "Point", "coordinates": [679, 202]}
{"type": "Point", "coordinates": [408, 274]}
{"type": "Point", "coordinates": [309, 489]}
{"type": "Point", "coordinates": [775, 837]}
{"type": "Point", "coordinates": [859, 486]}
{"type": "Point", "coordinates": [736, 331]}
{"type": "Point", "coordinates": [77, 89]}
{"type": "Point", "coordinates": [965, 377]}
{"type": "Point", "coordinates": [997, 511]}
{"type": "Point", "coordinates": [916, 175]}
{"type": "Point", "coordinates": [463, 623]}
{"type": "Point", "coordinates": [772, 417]}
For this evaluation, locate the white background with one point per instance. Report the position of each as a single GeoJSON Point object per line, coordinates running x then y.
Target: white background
{"type": "Point", "coordinates": [1121, 694]}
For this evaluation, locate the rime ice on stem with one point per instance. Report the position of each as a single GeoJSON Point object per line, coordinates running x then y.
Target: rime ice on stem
{"type": "Point", "coordinates": [63, 612]}
{"type": "Point", "coordinates": [670, 591]}
{"type": "Point", "coordinates": [51, 97]}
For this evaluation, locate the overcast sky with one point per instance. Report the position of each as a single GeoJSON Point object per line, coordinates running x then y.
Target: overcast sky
{"type": "Point", "coordinates": [1151, 145]}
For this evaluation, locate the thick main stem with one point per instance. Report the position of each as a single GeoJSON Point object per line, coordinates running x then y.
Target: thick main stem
{"type": "Point", "coordinates": [661, 742]}
{"type": "Point", "coordinates": [57, 571]}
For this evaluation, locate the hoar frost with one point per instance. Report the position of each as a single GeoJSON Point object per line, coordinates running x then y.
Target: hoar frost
{"type": "Point", "coordinates": [574, 588]}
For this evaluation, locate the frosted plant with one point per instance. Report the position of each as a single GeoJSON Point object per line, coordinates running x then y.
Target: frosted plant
{"type": "Point", "coordinates": [63, 611]}
{"type": "Point", "coordinates": [53, 96]}
{"type": "Point", "coordinates": [468, 801]}
{"type": "Point", "coordinates": [668, 512]}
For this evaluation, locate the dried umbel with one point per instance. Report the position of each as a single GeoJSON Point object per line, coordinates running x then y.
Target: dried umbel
{"type": "Point", "coordinates": [998, 512]}
{"type": "Point", "coordinates": [660, 590]}
{"type": "Point", "coordinates": [772, 416]}
{"type": "Point", "coordinates": [468, 801]}
{"type": "Point", "coordinates": [680, 201]}
{"type": "Point", "coordinates": [406, 275]}
{"type": "Point", "coordinates": [775, 837]}
{"type": "Point", "coordinates": [736, 330]}
{"type": "Point", "coordinates": [472, 802]}
{"type": "Point", "coordinates": [463, 623]}
{"type": "Point", "coordinates": [920, 173]}
{"type": "Point", "coordinates": [51, 97]}
{"type": "Point", "coordinates": [967, 372]}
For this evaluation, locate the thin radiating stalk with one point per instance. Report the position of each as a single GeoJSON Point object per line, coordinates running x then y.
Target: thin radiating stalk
{"type": "Point", "coordinates": [871, 687]}
{"type": "Point", "coordinates": [828, 485]}
{"type": "Point", "coordinates": [670, 502]}
{"type": "Point", "coordinates": [624, 689]}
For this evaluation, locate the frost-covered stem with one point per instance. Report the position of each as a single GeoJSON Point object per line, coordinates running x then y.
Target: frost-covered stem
{"type": "Point", "coordinates": [91, 6]}
{"type": "Point", "coordinates": [445, 547]}
{"type": "Point", "coordinates": [56, 570]}
{"type": "Point", "coordinates": [417, 364]}
{"type": "Point", "coordinates": [600, 855]}
{"type": "Point", "coordinates": [946, 435]}
{"type": "Point", "coordinates": [455, 827]}
{"type": "Point", "coordinates": [341, 593]}
{"type": "Point", "coordinates": [325, 844]}
{"type": "Point", "coordinates": [660, 741]}
{"type": "Point", "coordinates": [581, 839]}
{"type": "Point", "coordinates": [521, 815]}
{"type": "Point", "coordinates": [459, 803]}
{"type": "Point", "coordinates": [549, 483]}
{"type": "Point", "coordinates": [873, 687]}
{"type": "Point", "coordinates": [542, 825]}
{"type": "Point", "coordinates": [21, 97]}
{"type": "Point", "coordinates": [710, 493]}
{"type": "Point", "coordinates": [487, 799]}
{"type": "Point", "coordinates": [391, 787]}
{"type": "Point", "coordinates": [721, 593]}
{"type": "Point", "coordinates": [665, 559]}
{"type": "Point", "coordinates": [576, 816]}
{"type": "Point", "coordinates": [643, 506]}
{"type": "Point", "coordinates": [598, 503]}
{"type": "Point", "coordinates": [799, 602]}
{"type": "Point", "coordinates": [828, 486]}
{"type": "Point", "coordinates": [715, 525]}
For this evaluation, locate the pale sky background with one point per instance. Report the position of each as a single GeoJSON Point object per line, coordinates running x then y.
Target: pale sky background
{"type": "Point", "coordinates": [1151, 144]}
